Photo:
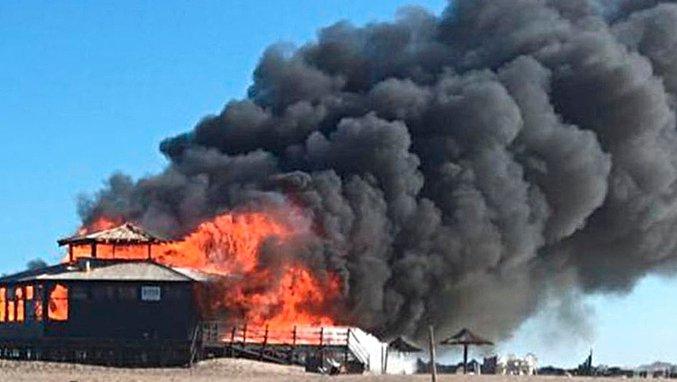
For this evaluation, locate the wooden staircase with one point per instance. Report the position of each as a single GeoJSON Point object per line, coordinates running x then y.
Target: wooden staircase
{"type": "Point", "coordinates": [300, 345]}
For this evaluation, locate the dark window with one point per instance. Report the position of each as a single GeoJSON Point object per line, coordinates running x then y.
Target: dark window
{"type": "Point", "coordinates": [30, 310]}
{"type": "Point", "coordinates": [110, 292]}
{"type": "Point", "coordinates": [79, 292]}
{"type": "Point", "coordinates": [127, 293]}
{"type": "Point", "coordinates": [174, 293]}
{"type": "Point", "coordinates": [99, 293]}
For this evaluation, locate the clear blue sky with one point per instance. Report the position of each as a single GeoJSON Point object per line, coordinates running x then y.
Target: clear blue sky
{"type": "Point", "coordinates": [88, 88]}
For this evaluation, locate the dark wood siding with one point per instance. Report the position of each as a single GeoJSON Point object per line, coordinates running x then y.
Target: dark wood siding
{"type": "Point", "coordinates": [115, 310]}
{"type": "Point", "coordinates": [21, 330]}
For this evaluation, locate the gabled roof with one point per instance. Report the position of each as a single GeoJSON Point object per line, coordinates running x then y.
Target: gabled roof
{"type": "Point", "coordinates": [106, 270]}
{"type": "Point", "coordinates": [466, 337]}
{"type": "Point", "coordinates": [198, 275]}
{"type": "Point", "coordinates": [126, 233]}
{"type": "Point", "coordinates": [402, 346]}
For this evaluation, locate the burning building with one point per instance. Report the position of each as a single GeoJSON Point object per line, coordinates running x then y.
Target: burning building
{"type": "Point", "coordinates": [121, 297]}
{"type": "Point", "coordinates": [469, 166]}
{"type": "Point", "coordinates": [105, 310]}
{"type": "Point", "coordinates": [472, 166]}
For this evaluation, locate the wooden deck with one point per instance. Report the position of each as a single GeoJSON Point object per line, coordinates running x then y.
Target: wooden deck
{"type": "Point", "coordinates": [301, 345]}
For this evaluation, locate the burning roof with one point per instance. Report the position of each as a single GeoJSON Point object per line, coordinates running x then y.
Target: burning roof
{"type": "Point", "coordinates": [230, 252]}
{"type": "Point", "coordinates": [108, 270]}
{"type": "Point", "coordinates": [125, 234]}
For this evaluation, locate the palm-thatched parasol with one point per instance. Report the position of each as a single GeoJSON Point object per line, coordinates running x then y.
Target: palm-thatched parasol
{"type": "Point", "coordinates": [466, 338]}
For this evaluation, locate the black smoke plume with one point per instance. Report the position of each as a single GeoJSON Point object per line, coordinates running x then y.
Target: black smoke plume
{"type": "Point", "coordinates": [461, 168]}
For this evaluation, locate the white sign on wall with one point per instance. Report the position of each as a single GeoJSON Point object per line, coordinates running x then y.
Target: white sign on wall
{"type": "Point", "coordinates": [150, 293]}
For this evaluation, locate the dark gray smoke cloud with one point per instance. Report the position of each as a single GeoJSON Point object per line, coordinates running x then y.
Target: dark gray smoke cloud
{"type": "Point", "coordinates": [459, 169]}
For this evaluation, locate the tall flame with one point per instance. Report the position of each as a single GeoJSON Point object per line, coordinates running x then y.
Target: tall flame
{"type": "Point", "coordinates": [100, 224]}
{"type": "Point", "coordinates": [231, 246]}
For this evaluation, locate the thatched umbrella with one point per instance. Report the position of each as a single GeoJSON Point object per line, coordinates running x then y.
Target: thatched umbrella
{"type": "Point", "coordinates": [466, 338]}
{"type": "Point", "coordinates": [402, 346]}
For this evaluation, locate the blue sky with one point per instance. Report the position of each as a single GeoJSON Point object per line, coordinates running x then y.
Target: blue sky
{"type": "Point", "coordinates": [89, 88]}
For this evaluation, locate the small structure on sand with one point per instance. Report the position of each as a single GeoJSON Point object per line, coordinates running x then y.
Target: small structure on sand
{"type": "Point", "coordinates": [399, 357]}
{"type": "Point", "coordinates": [465, 338]}
{"type": "Point", "coordinates": [513, 365]}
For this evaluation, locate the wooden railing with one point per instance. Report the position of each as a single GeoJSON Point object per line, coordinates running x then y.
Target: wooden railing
{"type": "Point", "coordinates": [260, 341]}
{"type": "Point", "coordinates": [215, 332]}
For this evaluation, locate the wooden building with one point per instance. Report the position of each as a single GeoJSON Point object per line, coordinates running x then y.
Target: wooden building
{"type": "Point", "coordinates": [102, 310]}
{"type": "Point", "coordinates": [110, 302]}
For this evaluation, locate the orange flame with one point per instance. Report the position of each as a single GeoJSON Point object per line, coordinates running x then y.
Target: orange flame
{"type": "Point", "coordinates": [58, 303]}
{"type": "Point", "coordinates": [297, 288]}
{"type": "Point", "coordinates": [10, 310]}
{"type": "Point", "coordinates": [101, 223]}
{"type": "Point", "coordinates": [230, 246]}
{"type": "Point", "coordinates": [3, 304]}
{"type": "Point", "coordinates": [20, 306]}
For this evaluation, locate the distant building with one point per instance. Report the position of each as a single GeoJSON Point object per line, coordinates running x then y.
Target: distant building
{"type": "Point", "coordinates": [512, 365]}
{"type": "Point", "coordinates": [489, 365]}
{"type": "Point", "coordinates": [586, 367]}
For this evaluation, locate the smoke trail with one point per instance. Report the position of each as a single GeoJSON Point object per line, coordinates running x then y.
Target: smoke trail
{"type": "Point", "coordinates": [461, 168]}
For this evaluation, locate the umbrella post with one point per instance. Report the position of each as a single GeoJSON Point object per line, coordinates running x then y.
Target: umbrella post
{"type": "Point", "coordinates": [385, 366]}
{"type": "Point", "coordinates": [466, 338]}
{"type": "Point", "coordinates": [433, 366]}
{"type": "Point", "coordinates": [465, 359]}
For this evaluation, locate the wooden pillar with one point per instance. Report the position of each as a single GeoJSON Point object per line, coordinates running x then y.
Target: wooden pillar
{"type": "Point", "coordinates": [345, 351]}
{"type": "Point", "coordinates": [433, 365]}
{"type": "Point", "coordinates": [293, 346]}
{"type": "Point", "coordinates": [244, 335]}
{"type": "Point", "coordinates": [265, 342]}
{"type": "Point", "coordinates": [385, 361]}
{"type": "Point", "coordinates": [150, 257]}
{"type": "Point", "coordinates": [70, 252]}
{"type": "Point", "coordinates": [93, 254]}
{"type": "Point", "coordinates": [322, 345]}
{"type": "Point", "coordinates": [232, 341]}
{"type": "Point", "coordinates": [465, 358]}
{"type": "Point", "coordinates": [45, 304]}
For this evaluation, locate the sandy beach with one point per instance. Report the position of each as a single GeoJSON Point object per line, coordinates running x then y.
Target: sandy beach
{"type": "Point", "coordinates": [212, 370]}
